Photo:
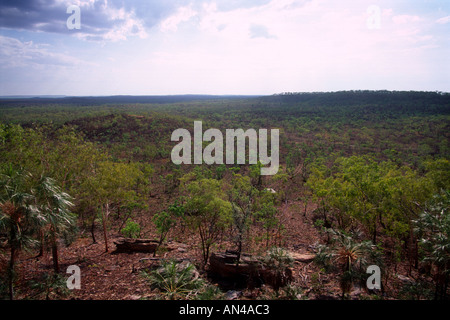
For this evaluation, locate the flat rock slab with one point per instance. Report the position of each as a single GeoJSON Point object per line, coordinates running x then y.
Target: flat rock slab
{"type": "Point", "coordinates": [302, 257]}
{"type": "Point", "coordinates": [127, 245]}
{"type": "Point", "coordinates": [249, 269]}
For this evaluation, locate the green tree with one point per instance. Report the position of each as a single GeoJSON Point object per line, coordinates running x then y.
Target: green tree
{"type": "Point", "coordinates": [164, 222]}
{"type": "Point", "coordinates": [132, 229]}
{"type": "Point", "coordinates": [241, 196]}
{"type": "Point", "coordinates": [113, 183]}
{"type": "Point", "coordinates": [266, 213]}
{"type": "Point", "coordinates": [208, 212]}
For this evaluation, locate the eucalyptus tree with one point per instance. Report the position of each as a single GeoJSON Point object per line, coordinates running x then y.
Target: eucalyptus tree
{"type": "Point", "coordinates": [242, 197]}
{"type": "Point", "coordinates": [112, 183]}
{"type": "Point", "coordinates": [208, 212]}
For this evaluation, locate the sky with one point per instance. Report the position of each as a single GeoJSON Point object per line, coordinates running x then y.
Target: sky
{"type": "Point", "coordinates": [250, 47]}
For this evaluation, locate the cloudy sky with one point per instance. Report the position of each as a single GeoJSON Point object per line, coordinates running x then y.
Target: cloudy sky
{"type": "Point", "coordinates": [153, 47]}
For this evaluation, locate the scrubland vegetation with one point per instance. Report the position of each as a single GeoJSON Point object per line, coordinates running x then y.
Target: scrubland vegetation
{"type": "Point", "coordinates": [364, 180]}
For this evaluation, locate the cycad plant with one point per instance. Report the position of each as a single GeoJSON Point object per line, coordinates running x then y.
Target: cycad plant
{"type": "Point", "coordinates": [349, 257]}
{"type": "Point", "coordinates": [175, 280]}
{"type": "Point", "coordinates": [50, 286]}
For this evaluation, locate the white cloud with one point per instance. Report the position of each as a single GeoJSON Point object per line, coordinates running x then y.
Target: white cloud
{"type": "Point", "coordinates": [182, 15]}
{"type": "Point", "coordinates": [405, 19]}
{"type": "Point", "coordinates": [443, 20]}
{"type": "Point", "coordinates": [15, 53]}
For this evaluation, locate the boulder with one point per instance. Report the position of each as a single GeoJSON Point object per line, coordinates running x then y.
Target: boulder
{"type": "Point", "coordinates": [250, 271]}
{"type": "Point", "coordinates": [223, 264]}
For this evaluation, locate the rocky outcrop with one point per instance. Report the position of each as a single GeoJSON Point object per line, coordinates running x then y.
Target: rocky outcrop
{"type": "Point", "coordinates": [250, 271]}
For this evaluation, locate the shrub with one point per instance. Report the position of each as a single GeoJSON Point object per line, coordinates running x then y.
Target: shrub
{"type": "Point", "coordinates": [131, 230]}
{"type": "Point", "coordinates": [50, 286]}
{"type": "Point", "coordinates": [433, 228]}
{"type": "Point", "coordinates": [278, 263]}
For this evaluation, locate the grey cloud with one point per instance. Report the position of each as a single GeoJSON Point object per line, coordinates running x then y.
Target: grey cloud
{"type": "Point", "coordinates": [51, 16]}
{"type": "Point", "coordinates": [48, 16]}
{"type": "Point", "coordinates": [96, 22]}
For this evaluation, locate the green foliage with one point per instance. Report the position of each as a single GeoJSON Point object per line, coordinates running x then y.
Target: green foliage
{"type": "Point", "coordinates": [242, 196]}
{"type": "Point", "coordinates": [174, 280]}
{"type": "Point", "coordinates": [30, 210]}
{"type": "Point", "coordinates": [177, 210]}
{"type": "Point", "coordinates": [279, 262]}
{"type": "Point", "coordinates": [50, 287]}
{"type": "Point", "coordinates": [349, 257]}
{"type": "Point", "coordinates": [433, 228]}
{"type": "Point", "coordinates": [220, 171]}
{"type": "Point", "coordinates": [55, 205]}
{"type": "Point", "coordinates": [319, 223]}
{"type": "Point", "coordinates": [439, 173]}
{"type": "Point", "coordinates": [208, 212]}
{"type": "Point", "coordinates": [266, 213]}
{"type": "Point", "coordinates": [209, 292]}
{"type": "Point", "coordinates": [19, 217]}
{"type": "Point", "coordinates": [132, 229]}
{"type": "Point", "coordinates": [378, 195]}
{"type": "Point", "coordinates": [113, 183]}
{"type": "Point", "coordinates": [164, 222]}
{"type": "Point", "coordinates": [416, 290]}
{"type": "Point", "coordinates": [278, 259]}
{"type": "Point", "coordinates": [369, 160]}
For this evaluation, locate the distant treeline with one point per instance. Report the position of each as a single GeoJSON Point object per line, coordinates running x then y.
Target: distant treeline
{"type": "Point", "coordinates": [419, 99]}
{"type": "Point", "coordinates": [120, 99]}
{"type": "Point", "coordinates": [425, 101]}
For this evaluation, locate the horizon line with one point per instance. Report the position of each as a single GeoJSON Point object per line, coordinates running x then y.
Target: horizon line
{"type": "Point", "coordinates": [61, 96]}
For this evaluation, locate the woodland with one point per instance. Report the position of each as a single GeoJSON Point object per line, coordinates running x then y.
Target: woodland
{"type": "Point", "coordinates": [364, 180]}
